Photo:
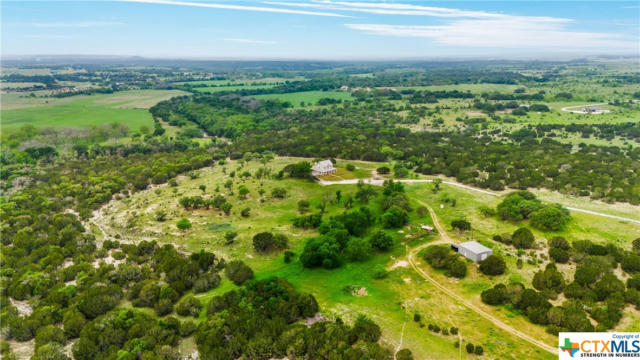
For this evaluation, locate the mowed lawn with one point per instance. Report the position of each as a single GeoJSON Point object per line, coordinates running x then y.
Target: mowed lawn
{"type": "Point", "coordinates": [127, 107]}
{"type": "Point", "coordinates": [309, 97]}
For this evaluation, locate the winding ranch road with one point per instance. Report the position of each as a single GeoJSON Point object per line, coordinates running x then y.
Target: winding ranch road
{"type": "Point", "coordinates": [444, 237]}
{"type": "Point", "coordinates": [378, 182]}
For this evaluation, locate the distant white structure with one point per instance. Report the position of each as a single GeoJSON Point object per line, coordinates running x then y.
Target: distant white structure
{"type": "Point", "coordinates": [344, 88]}
{"type": "Point", "coordinates": [426, 227]}
{"type": "Point", "coordinates": [592, 109]}
{"type": "Point", "coordinates": [473, 250]}
{"type": "Point", "coordinates": [323, 167]}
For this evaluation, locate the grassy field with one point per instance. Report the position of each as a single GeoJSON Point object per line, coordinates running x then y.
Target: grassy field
{"type": "Point", "coordinates": [128, 107]}
{"type": "Point", "coordinates": [350, 289]}
{"type": "Point", "coordinates": [308, 97]}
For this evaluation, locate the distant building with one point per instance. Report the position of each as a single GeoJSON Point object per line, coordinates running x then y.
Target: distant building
{"type": "Point", "coordinates": [323, 167]}
{"type": "Point", "coordinates": [426, 227]}
{"type": "Point", "coordinates": [473, 250]}
{"type": "Point", "coordinates": [344, 88]}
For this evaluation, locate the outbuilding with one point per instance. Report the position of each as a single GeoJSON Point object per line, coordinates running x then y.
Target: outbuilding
{"type": "Point", "coordinates": [473, 250]}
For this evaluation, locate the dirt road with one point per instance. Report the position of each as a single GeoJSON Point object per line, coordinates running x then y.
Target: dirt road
{"type": "Point", "coordinates": [444, 237]}
{"type": "Point", "coordinates": [378, 182]}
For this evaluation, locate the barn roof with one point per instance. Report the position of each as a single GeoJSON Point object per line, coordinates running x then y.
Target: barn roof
{"type": "Point", "coordinates": [475, 247]}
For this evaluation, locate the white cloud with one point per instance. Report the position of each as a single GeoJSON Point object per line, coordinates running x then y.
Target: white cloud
{"type": "Point", "coordinates": [250, 41]}
{"type": "Point", "coordinates": [511, 32]}
{"type": "Point", "coordinates": [237, 7]}
{"type": "Point", "coordinates": [403, 9]}
{"type": "Point", "coordinates": [75, 24]}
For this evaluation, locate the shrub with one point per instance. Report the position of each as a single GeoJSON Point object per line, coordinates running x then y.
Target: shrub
{"type": "Point", "coordinates": [522, 238]}
{"type": "Point", "coordinates": [493, 265]}
{"type": "Point", "coordinates": [48, 334]}
{"type": "Point", "coordinates": [381, 241]}
{"type": "Point", "coordinates": [383, 170]}
{"type": "Point", "coordinates": [478, 350]}
{"type": "Point", "coordinates": [379, 272]}
{"type": "Point", "coordinates": [394, 218]}
{"type": "Point", "coordinates": [351, 167]}
{"type": "Point", "coordinates": [188, 306]}
{"type": "Point", "coordinates": [559, 255]}
{"type": "Point", "coordinates": [461, 224]}
{"type": "Point", "coordinates": [183, 224]}
{"type": "Point", "coordinates": [550, 218]}
{"type": "Point", "coordinates": [288, 256]}
{"type": "Point", "coordinates": [559, 242]}
{"type": "Point", "coordinates": [404, 354]}
{"type": "Point", "coordinates": [279, 193]}
{"type": "Point", "coordinates": [246, 212]}
{"type": "Point", "coordinates": [357, 249]}
{"type": "Point", "coordinates": [470, 348]}
{"type": "Point", "coordinates": [238, 272]}
{"type": "Point", "coordinates": [366, 330]}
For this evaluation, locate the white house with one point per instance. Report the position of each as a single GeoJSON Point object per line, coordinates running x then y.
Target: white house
{"type": "Point", "coordinates": [323, 167]}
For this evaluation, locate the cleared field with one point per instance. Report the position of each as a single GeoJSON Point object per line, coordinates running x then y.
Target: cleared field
{"type": "Point", "coordinates": [235, 82]}
{"type": "Point", "coordinates": [308, 97]}
{"type": "Point", "coordinates": [128, 107]}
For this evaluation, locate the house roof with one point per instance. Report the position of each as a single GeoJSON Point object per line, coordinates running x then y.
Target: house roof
{"type": "Point", "coordinates": [323, 165]}
{"type": "Point", "coordinates": [474, 246]}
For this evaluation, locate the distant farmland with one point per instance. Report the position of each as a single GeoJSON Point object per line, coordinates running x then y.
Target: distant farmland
{"type": "Point", "coordinates": [309, 97]}
{"type": "Point", "coordinates": [127, 107]}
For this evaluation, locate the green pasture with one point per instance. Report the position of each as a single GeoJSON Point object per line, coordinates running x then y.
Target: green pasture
{"type": "Point", "coordinates": [127, 107]}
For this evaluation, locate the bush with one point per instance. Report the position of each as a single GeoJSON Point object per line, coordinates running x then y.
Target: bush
{"type": "Point", "coordinates": [461, 224]}
{"type": "Point", "coordinates": [366, 330]}
{"type": "Point", "coordinates": [631, 263]}
{"type": "Point", "coordinates": [188, 306]}
{"type": "Point", "coordinates": [381, 241]}
{"type": "Point", "coordinates": [246, 212]}
{"type": "Point", "coordinates": [279, 193]}
{"type": "Point", "coordinates": [183, 224]}
{"type": "Point", "coordinates": [478, 350]}
{"type": "Point", "coordinates": [470, 348]}
{"type": "Point", "coordinates": [187, 328]}
{"type": "Point", "coordinates": [394, 218]}
{"type": "Point", "coordinates": [238, 272]}
{"type": "Point", "coordinates": [358, 249]}
{"type": "Point", "coordinates": [559, 255]}
{"type": "Point", "coordinates": [550, 218]}
{"type": "Point", "coordinates": [383, 170]}
{"type": "Point", "coordinates": [288, 256]}
{"type": "Point", "coordinates": [493, 265]}
{"type": "Point", "coordinates": [351, 167]}
{"type": "Point", "coordinates": [404, 354]}
{"type": "Point", "coordinates": [263, 241]}
{"type": "Point", "coordinates": [379, 272]}
{"type": "Point", "coordinates": [163, 307]}
{"type": "Point", "coordinates": [50, 351]}
{"type": "Point", "coordinates": [48, 334]}
{"type": "Point", "coordinates": [73, 321]}
{"type": "Point", "coordinates": [559, 242]}
{"type": "Point", "coordinates": [522, 238]}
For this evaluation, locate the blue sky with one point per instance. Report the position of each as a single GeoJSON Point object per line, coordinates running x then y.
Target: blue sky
{"type": "Point", "coordinates": [324, 29]}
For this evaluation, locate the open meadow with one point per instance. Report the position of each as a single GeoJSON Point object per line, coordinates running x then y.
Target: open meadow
{"type": "Point", "coordinates": [127, 107]}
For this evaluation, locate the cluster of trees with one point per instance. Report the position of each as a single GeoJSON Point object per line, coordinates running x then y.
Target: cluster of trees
{"type": "Point", "coordinates": [265, 241]}
{"type": "Point", "coordinates": [442, 257]}
{"type": "Point", "coordinates": [278, 308]}
{"type": "Point", "coordinates": [595, 292]}
{"type": "Point", "coordinates": [523, 204]}
{"type": "Point", "coordinates": [196, 202]}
